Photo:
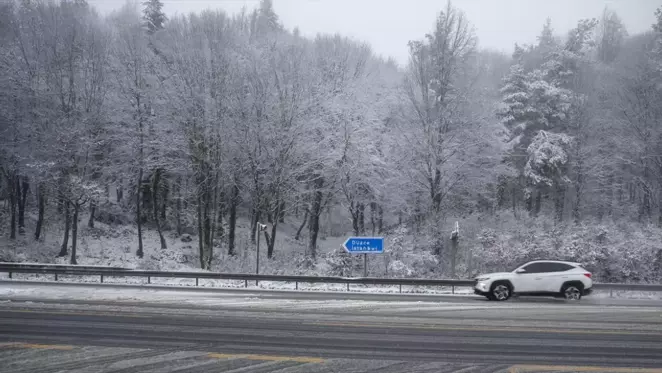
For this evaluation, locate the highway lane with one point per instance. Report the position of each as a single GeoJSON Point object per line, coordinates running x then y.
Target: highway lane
{"type": "Point", "coordinates": [161, 331]}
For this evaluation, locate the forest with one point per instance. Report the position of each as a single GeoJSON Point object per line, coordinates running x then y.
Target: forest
{"type": "Point", "coordinates": [168, 140]}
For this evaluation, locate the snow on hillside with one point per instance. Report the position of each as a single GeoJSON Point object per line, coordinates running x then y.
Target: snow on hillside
{"type": "Point", "coordinates": [116, 245]}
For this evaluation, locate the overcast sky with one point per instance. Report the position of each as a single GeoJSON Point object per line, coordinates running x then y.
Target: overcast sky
{"type": "Point", "coordinates": [389, 24]}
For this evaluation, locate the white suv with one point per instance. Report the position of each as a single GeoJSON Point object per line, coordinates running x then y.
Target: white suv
{"type": "Point", "coordinates": [540, 277]}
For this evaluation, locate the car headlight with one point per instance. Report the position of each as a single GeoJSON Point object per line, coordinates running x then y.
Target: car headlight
{"type": "Point", "coordinates": [481, 286]}
{"type": "Point", "coordinates": [479, 279]}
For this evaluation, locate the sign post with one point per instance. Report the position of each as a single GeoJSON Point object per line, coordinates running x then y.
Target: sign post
{"type": "Point", "coordinates": [365, 246]}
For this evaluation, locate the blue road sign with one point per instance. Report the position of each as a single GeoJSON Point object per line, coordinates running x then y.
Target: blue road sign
{"type": "Point", "coordinates": [364, 245]}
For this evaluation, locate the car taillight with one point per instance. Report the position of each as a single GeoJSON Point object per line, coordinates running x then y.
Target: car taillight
{"type": "Point", "coordinates": [587, 275]}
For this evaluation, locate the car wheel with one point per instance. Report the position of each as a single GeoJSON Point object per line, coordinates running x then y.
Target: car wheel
{"type": "Point", "coordinates": [500, 291]}
{"type": "Point", "coordinates": [572, 292]}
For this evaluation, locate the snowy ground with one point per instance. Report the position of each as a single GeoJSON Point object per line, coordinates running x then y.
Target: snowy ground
{"type": "Point", "coordinates": [116, 245]}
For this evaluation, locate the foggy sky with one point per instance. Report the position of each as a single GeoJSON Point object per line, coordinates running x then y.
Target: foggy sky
{"type": "Point", "coordinates": [389, 24]}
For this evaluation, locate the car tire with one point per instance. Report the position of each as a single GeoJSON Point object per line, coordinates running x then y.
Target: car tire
{"type": "Point", "coordinates": [500, 291]}
{"type": "Point", "coordinates": [572, 292]}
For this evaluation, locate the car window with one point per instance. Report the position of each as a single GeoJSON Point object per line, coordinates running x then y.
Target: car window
{"type": "Point", "coordinates": [535, 268]}
{"type": "Point", "coordinates": [546, 267]}
{"type": "Point", "coordinates": [560, 267]}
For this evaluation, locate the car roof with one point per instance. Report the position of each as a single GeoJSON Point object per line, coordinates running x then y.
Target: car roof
{"type": "Point", "coordinates": [553, 261]}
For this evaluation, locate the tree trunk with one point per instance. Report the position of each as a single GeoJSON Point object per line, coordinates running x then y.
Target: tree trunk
{"type": "Point", "coordinates": [156, 179]}
{"type": "Point", "coordinates": [576, 210]}
{"type": "Point", "coordinates": [528, 198]}
{"type": "Point", "coordinates": [67, 226]}
{"type": "Point", "coordinates": [354, 213]}
{"type": "Point", "coordinates": [165, 195]}
{"type": "Point", "coordinates": [559, 202]}
{"type": "Point", "coordinates": [120, 190]}
{"type": "Point", "coordinates": [303, 224]}
{"type": "Point", "coordinates": [514, 198]}
{"type": "Point", "coordinates": [274, 225]}
{"type": "Point", "coordinates": [281, 214]}
{"type": "Point", "coordinates": [256, 218]}
{"type": "Point", "coordinates": [13, 201]}
{"type": "Point", "coordinates": [222, 211]}
{"type": "Point", "coordinates": [41, 203]}
{"type": "Point", "coordinates": [22, 201]}
{"type": "Point", "coordinates": [232, 223]}
{"type": "Point", "coordinates": [373, 224]}
{"type": "Point", "coordinates": [380, 219]}
{"type": "Point", "coordinates": [207, 228]}
{"type": "Point", "coordinates": [361, 207]}
{"type": "Point", "coordinates": [314, 218]}
{"type": "Point", "coordinates": [147, 195]}
{"type": "Point", "coordinates": [93, 208]}
{"type": "Point", "coordinates": [271, 241]}
{"type": "Point", "coordinates": [178, 206]}
{"type": "Point", "coordinates": [538, 204]}
{"type": "Point", "coordinates": [139, 219]}
{"type": "Point", "coordinates": [74, 234]}
{"type": "Point", "coordinates": [201, 249]}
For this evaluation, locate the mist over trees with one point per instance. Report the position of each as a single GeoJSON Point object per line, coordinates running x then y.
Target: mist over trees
{"type": "Point", "coordinates": [187, 125]}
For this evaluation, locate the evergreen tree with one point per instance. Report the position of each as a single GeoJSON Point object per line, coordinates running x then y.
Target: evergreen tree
{"type": "Point", "coordinates": [153, 15]}
{"type": "Point", "coordinates": [610, 36]}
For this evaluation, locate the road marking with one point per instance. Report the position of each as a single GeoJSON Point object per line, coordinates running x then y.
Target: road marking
{"type": "Point", "coordinates": [79, 313]}
{"type": "Point", "coordinates": [35, 345]}
{"type": "Point", "coordinates": [298, 359]}
{"type": "Point", "coordinates": [490, 329]}
{"type": "Point", "coordinates": [567, 368]}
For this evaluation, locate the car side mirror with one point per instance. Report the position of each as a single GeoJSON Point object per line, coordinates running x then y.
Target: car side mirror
{"type": "Point", "coordinates": [520, 270]}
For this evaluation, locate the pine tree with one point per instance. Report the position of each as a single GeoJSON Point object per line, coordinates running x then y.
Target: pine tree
{"type": "Point", "coordinates": [546, 38]}
{"type": "Point", "coordinates": [153, 15]}
{"type": "Point", "coordinates": [265, 20]}
{"type": "Point", "coordinates": [610, 36]}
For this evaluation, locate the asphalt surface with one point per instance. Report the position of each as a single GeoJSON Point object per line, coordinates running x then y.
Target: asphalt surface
{"type": "Point", "coordinates": [109, 329]}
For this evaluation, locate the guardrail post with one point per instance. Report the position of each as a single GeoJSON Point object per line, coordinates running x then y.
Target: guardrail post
{"type": "Point", "coordinates": [149, 279]}
{"type": "Point", "coordinates": [611, 295]}
{"type": "Point", "coordinates": [245, 283]}
{"type": "Point", "coordinates": [10, 275]}
{"type": "Point", "coordinates": [348, 286]}
{"type": "Point", "coordinates": [452, 289]}
{"type": "Point", "coordinates": [196, 281]}
{"type": "Point", "coordinates": [296, 283]}
{"type": "Point", "coordinates": [400, 288]}
{"type": "Point", "coordinates": [102, 279]}
{"type": "Point", "coordinates": [56, 277]}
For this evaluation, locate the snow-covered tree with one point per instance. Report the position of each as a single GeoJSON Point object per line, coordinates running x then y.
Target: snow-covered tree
{"type": "Point", "coordinates": [153, 15]}
{"type": "Point", "coordinates": [610, 36]}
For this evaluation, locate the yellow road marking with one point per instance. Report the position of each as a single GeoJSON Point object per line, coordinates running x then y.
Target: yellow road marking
{"type": "Point", "coordinates": [568, 368]}
{"type": "Point", "coordinates": [489, 329]}
{"type": "Point", "coordinates": [36, 346]}
{"type": "Point", "coordinates": [298, 359]}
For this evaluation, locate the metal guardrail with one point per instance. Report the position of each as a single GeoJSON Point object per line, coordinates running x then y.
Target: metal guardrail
{"type": "Point", "coordinates": [74, 270]}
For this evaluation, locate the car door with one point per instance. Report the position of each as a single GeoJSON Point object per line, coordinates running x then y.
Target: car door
{"type": "Point", "coordinates": [528, 281]}
{"type": "Point", "coordinates": [548, 275]}
{"type": "Point", "coordinates": [554, 276]}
